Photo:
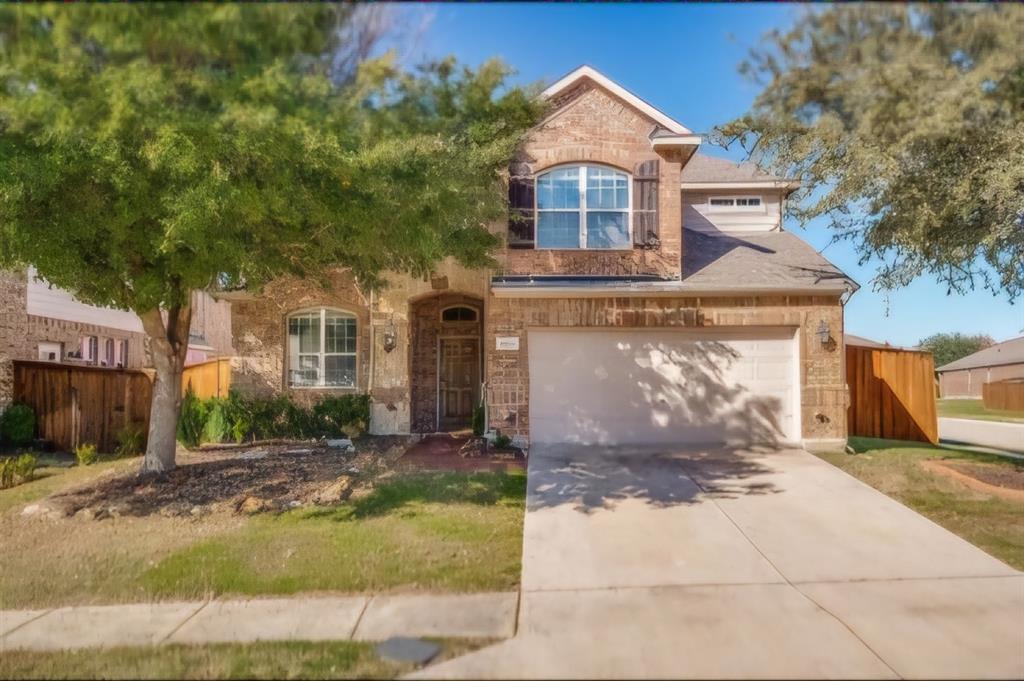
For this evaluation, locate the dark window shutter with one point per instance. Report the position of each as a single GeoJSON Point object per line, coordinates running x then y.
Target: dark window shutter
{"type": "Point", "coordinates": [645, 204]}
{"type": "Point", "coordinates": [520, 207]}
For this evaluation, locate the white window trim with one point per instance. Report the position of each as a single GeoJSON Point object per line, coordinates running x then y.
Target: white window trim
{"type": "Point", "coordinates": [734, 208]}
{"type": "Point", "coordinates": [323, 354]}
{"type": "Point", "coordinates": [582, 210]}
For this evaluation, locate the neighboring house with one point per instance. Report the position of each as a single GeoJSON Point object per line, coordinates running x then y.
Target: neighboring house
{"type": "Point", "coordinates": [965, 376]}
{"type": "Point", "coordinates": [42, 322]}
{"type": "Point", "coordinates": [646, 294]}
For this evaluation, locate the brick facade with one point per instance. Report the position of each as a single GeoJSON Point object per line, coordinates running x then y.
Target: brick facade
{"type": "Point", "coordinates": [21, 333]}
{"type": "Point", "coordinates": [261, 334]}
{"type": "Point", "coordinates": [594, 126]}
{"type": "Point", "coordinates": [822, 379]}
{"type": "Point", "coordinates": [589, 125]}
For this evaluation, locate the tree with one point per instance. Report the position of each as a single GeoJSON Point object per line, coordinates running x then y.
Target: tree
{"type": "Point", "coordinates": [151, 150]}
{"type": "Point", "coordinates": [949, 347]}
{"type": "Point", "coordinates": [905, 124]}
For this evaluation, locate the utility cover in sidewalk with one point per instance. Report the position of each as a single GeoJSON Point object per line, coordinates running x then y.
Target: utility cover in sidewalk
{"type": "Point", "coordinates": [401, 649]}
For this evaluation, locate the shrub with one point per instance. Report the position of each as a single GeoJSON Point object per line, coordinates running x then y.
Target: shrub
{"type": "Point", "coordinates": [216, 428]}
{"type": "Point", "coordinates": [343, 415]}
{"type": "Point", "coordinates": [501, 441]}
{"type": "Point", "coordinates": [25, 467]}
{"type": "Point", "coordinates": [130, 441]}
{"type": "Point", "coordinates": [192, 419]}
{"type": "Point", "coordinates": [478, 420]}
{"type": "Point", "coordinates": [6, 473]}
{"type": "Point", "coordinates": [18, 423]}
{"type": "Point", "coordinates": [86, 455]}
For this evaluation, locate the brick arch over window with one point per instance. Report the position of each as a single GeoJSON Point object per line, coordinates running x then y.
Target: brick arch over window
{"type": "Point", "coordinates": [427, 330]}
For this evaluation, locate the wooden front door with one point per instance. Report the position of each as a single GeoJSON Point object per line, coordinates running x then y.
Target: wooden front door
{"type": "Point", "coordinates": [459, 381]}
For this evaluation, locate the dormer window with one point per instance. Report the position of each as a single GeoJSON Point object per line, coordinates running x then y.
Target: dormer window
{"type": "Point", "coordinates": [735, 203]}
{"type": "Point", "coordinates": [583, 207]}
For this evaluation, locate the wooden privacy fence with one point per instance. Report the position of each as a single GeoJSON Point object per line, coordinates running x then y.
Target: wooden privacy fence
{"type": "Point", "coordinates": [208, 379]}
{"type": "Point", "coordinates": [1005, 395]}
{"type": "Point", "coordinates": [83, 405]}
{"type": "Point", "coordinates": [90, 405]}
{"type": "Point", "coordinates": [892, 394]}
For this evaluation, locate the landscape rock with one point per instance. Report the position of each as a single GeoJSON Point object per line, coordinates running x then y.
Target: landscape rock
{"type": "Point", "coordinates": [252, 505]}
{"type": "Point", "coordinates": [334, 493]}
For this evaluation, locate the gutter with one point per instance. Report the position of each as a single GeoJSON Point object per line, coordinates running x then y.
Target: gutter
{"type": "Point", "coordinates": [675, 291]}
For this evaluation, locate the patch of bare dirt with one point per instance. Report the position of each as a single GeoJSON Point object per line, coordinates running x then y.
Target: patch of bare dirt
{"type": "Point", "coordinates": [1004, 481]}
{"type": "Point", "coordinates": [246, 480]}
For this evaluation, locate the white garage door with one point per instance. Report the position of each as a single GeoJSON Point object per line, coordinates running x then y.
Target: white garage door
{"type": "Point", "coordinates": [664, 386]}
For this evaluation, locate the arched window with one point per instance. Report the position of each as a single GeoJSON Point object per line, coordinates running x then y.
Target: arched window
{"type": "Point", "coordinates": [458, 313]}
{"type": "Point", "coordinates": [322, 349]}
{"type": "Point", "coordinates": [583, 207]}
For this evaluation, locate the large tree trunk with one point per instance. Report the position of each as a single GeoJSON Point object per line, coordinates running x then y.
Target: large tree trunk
{"type": "Point", "coordinates": [168, 346]}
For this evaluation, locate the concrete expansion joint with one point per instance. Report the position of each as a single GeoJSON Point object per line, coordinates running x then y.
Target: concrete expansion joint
{"type": "Point", "coordinates": [359, 619]}
{"type": "Point", "coordinates": [175, 630]}
{"type": "Point", "coordinates": [44, 613]}
{"type": "Point", "coordinates": [791, 584]}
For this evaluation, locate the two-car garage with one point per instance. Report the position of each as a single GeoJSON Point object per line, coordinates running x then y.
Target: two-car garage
{"type": "Point", "coordinates": [664, 386]}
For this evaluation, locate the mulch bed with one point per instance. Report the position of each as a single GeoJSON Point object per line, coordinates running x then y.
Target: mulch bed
{"type": "Point", "coordinates": [1004, 481]}
{"type": "Point", "coordinates": [259, 478]}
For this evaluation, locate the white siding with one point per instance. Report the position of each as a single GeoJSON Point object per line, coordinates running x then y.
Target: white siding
{"type": "Point", "coordinates": [56, 303]}
{"type": "Point", "coordinates": [697, 216]}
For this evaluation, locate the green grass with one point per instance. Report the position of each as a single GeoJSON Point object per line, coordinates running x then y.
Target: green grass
{"type": "Point", "coordinates": [451, 532]}
{"type": "Point", "coordinates": [445, 532]}
{"type": "Point", "coordinates": [51, 478]}
{"type": "Point", "coordinates": [894, 467]}
{"type": "Point", "coordinates": [266, 660]}
{"type": "Point", "coordinates": [975, 409]}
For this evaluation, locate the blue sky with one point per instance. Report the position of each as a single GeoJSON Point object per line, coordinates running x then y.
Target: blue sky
{"type": "Point", "coordinates": [683, 59]}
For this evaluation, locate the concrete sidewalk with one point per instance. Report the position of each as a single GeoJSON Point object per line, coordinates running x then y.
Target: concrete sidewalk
{"type": "Point", "coordinates": [359, 618]}
{"type": "Point", "coordinates": [995, 434]}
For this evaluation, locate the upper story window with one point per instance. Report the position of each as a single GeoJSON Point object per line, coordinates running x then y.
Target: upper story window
{"type": "Point", "coordinates": [322, 349]}
{"type": "Point", "coordinates": [735, 203]}
{"type": "Point", "coordinates": [583, 207]}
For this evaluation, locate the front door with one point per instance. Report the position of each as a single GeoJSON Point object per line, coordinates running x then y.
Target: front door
{"type": "Point", "coordinates": [459, 381]}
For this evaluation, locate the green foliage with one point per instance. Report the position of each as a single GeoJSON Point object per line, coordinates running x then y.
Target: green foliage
{"type": "Point", "coordinates": [478, 420]}
{"type": "Point", "coordinates": [343, 415]}
{"type": "Point", "coordinates": [192, 419]}
{"type": "Point", "coordinates": [237, 418]}
{"type": "Point", "coordinates": [18, 424]}
{"type": "Point", "coordinates": [131, 441]}
{"type": "Point", "coordinates": [14, 471]}
{"type": "Point", "coordinates": [501, 441]}
{"type": "Point", "coordinates": [86, 454]}
{"type": "Point", "coordinates": [152, 150]}
{"type": "Point", "coordinates": [905, 125]}
{"type": "Point", "coordinates": [25, 466]}
{"type": "Point", "coordinates": [949, 347]}
{"type": "Point", "coordinates": [216, 428]}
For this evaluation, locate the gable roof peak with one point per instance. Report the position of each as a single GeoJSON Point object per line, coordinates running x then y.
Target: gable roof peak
{"type": "Point", "coordinates": [589, 72]}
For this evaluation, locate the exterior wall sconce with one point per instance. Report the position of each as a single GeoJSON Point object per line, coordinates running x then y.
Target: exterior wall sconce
{"type": "Point", "coordinates": [824, 334]}
{"type": "Point", "coordinates": [390, 340]}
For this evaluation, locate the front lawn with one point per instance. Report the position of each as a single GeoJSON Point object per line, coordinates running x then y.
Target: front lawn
{"type": "Point", "coordinates": [895, 468]}
{"type": "Point", "coordinates": [265, 660]}
{"type": "Point", "coordinates": [975, 409]}
{"type": "Point", "coordinates": [421, 531]}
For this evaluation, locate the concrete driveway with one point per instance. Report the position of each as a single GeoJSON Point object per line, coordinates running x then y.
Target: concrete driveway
{"type": "Point", "coordinates": [767, 564]}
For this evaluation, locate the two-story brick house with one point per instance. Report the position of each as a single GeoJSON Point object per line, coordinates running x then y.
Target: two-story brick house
{"type": "Point", "coordinates": [646, 293]}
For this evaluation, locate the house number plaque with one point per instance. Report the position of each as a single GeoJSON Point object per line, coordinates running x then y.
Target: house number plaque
{"type": "Point", "coordinates": [506, 343]}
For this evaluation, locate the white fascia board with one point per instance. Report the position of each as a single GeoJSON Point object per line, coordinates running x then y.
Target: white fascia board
{"type": "Point", "coordinates": [753, 184]}
{"type": "Point", "coordinates": [677, 140]}
{"type": "Point", "coordinates": [620, 92]}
